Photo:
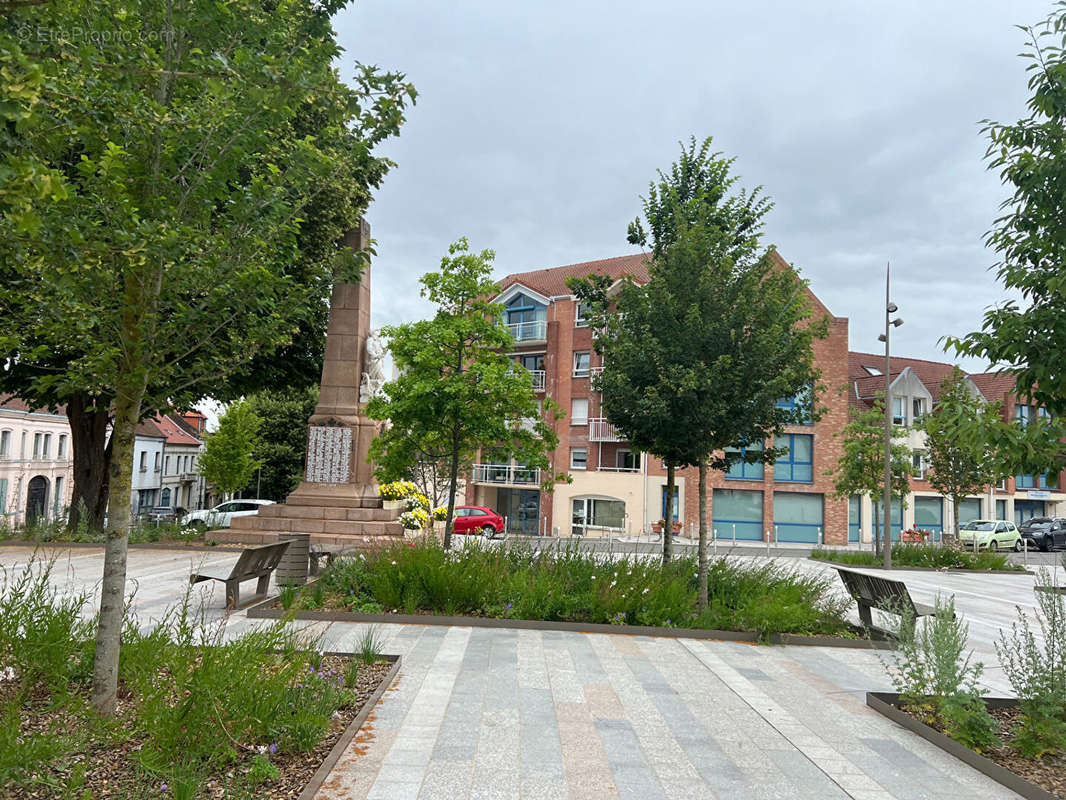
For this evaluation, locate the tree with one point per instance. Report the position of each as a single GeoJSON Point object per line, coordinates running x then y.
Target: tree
{"type": "Point", "coordinates": [228, 461]}
{"type": "Point", "coordinates": [957, 442]}
{"type": "Point", "coordinates": [1030, 235]}
{"type": "Point", "coordinates": [697, 359]}
{"type": "Point", "coordinates": [342, 124]}
{"type": "Point", "coordinates": [156, 249]}
{"type": "Point", "coordinates": [282, 440]}
{"type": "Point", "coordinates": [861, 470]}
{"type": "Point", "coordinates": [458, 390]}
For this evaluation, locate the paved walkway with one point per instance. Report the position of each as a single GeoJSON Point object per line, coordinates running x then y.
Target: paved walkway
{"type": "Point", "coordinates": [484, 713]}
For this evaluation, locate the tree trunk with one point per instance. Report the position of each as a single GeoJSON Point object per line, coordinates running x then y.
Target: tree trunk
{"type": "Point", "coordinates": [453, 480]}
{"type": "Point", "coordinates": [701, 602]}
{"type": "Point", "coordinates": [668, 516]}
{"type": "Point", "coordinates": [91, 453]}
{"type": "Point", "coordinates": [877, 530]}
{"type": "Point", "coordinates": [955, 514]}
{"type": "Point", "coordinates": [113, 586]}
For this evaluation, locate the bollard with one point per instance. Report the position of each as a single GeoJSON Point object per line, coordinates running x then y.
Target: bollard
{"type": "Point", "coordinates": [767, 542]}
{"type": "Point", "coordinates": [1025, 551]}
{"type": "Point", "coordinates": [821, 541]}
{"type": "Point", "coordinates": [734, 536]}
{"type": "Point", "coordinates": [714, 538]}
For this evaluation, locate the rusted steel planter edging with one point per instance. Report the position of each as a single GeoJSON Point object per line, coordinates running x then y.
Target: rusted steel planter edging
{"type": "Point", "coordinates": [326, 767]}
{"type": "Point", "coordinates": [951, 570]}
{"type": "Point", "coordinates": [271, 610]}
{"type": "Point", "coordinates": [224, 547]}
{"type": "Point", "coordinates": [886, 703]}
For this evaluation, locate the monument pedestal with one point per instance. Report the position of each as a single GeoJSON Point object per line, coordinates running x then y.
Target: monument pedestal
{"type": "Point", "coordinates": [337, 502]}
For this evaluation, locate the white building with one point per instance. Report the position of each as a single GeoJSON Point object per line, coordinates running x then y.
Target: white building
{"type": "Point", "coordinates": [147, 482]}
{"type": "Point", "coordinates": [182, 485]}
{"type": "Point", "coordinates": [36, 469]}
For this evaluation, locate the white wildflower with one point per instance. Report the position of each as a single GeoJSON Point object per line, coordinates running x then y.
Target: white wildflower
{"type": "Point", "coordinates": [8, 674]}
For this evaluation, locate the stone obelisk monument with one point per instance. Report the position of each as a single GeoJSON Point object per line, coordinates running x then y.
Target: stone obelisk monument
{"type": "Point", "coordinates": [338, 497]}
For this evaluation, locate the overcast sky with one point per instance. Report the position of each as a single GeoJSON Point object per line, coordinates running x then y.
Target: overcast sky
{"type": "Point", "coordinates": [540, 124]}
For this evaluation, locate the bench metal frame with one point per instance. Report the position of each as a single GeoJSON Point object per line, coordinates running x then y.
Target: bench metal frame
{"type": "Point", "coordinates": [254, 562]}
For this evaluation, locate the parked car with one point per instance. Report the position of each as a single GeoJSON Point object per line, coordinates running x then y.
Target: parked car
{"type": "Point", "coordinates": [161, 514]}
{"type": "Point", "coordinates": [221, 515]}
{"type": "Point", "coordinates": [1046, 533]}
{"type": "Point", "coordinates": [477, 519]}
{"type": "Point", "coordinates": [991, 533]}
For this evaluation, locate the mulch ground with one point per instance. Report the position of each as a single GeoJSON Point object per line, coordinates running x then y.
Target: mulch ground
{"type": "Point", "coordinates": [1049, 772]}
{"type": "Point", "coordinates": [111, 769]}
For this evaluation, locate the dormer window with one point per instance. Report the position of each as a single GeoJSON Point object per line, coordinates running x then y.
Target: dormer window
{"type": "Point", "coordinates": [872, 371]}
{"type": "Point", "coordinates": [526, 318]}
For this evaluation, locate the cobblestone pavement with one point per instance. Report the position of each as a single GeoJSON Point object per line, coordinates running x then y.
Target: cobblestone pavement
{"type": "Point", "coordinates": [502, 713]}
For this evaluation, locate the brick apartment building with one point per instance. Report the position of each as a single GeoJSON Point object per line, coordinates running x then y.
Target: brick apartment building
{"type": "Point", "coordinates": [620, 491]}
{"type": "Point", "coordinates": [616, 489]}
{"type": "Point", "coordinates": [915, 390]}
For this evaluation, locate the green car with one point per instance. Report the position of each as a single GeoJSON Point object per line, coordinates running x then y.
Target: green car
{"type": "Point", "coordinates": [991, 533]}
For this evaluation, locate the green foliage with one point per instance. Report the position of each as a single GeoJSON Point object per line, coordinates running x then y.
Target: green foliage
{"type": "Point", "coordinates": [861, 470]}
{"type": "Point", "coordinates": [934, 674]}
{"type": "Point", "coordinates": [204, 702]}
{"type": "Point", "coordinates": [368, 649]}
{"type": "Point", "coordinates": [923, 555]}
{"type": "Point", "coordinates": [228, 461]}
{"type": "Point", "coordinates": [282, 440]}
{"type": "Point", "coordinates": [1030, 235]}
{"type": "Point", "coordinates": [696, 359]}
{"type": "Point", "coordinates": [1036, 668]}
{"type": "Point", "coordinates": [458, 390]}
{"type": "Point", "coordinates": [571, 584]}
{"type": "Point", "coordinates": [958, 432]}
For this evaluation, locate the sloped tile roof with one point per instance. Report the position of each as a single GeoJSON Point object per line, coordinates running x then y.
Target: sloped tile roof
{"type": "Point", "coordinates": [994, 385]}
{"type": "Point", "coordinates": [149, 429]}
{"type": "Point", "coordinates": [174, 433]}
{"type": "Point", "coordinates": [12, 403]}
{"type": "Point", "coordinates": [930, 373]}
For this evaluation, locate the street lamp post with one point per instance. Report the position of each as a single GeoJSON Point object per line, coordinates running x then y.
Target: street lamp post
{"type": "Point", "coordinates": [886, 508]}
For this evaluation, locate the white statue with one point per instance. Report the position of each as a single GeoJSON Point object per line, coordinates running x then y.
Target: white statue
{"type": "Point", "coordinates": [374, 375]}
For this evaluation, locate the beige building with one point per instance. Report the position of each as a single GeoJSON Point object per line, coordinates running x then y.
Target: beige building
{"type": "Point", "coordinates": [36, 467]}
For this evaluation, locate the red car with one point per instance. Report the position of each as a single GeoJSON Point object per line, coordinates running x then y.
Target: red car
{"type": "Point", "coordinates": [477, 519]}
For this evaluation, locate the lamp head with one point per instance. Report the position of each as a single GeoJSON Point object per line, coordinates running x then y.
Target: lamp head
{"type": "Point", "coordinates": [892, 308]}
{"type": "Point", "coordinates": [880, 337]}
{"type": "Point", "coordinates": [897, 322]}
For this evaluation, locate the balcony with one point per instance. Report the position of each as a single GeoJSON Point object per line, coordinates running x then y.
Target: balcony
{"type": "Point", "coordinates": [537, 330]}
{"type": "Point", "coordinates": [600, 430]}
{"type": "Point", "coordinates": [506, 475]}
{"type": "Point", "coordinates": [538, 379]}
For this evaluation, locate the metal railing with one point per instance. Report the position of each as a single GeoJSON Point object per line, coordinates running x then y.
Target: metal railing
{"type": "Point", "coordinates": [617, 469]}
{"type": "Point", "coordinates": [506, 474]}
{"type": "Point", "coordinates": [538, 379]}
{"type": "Point", "coordinates": [529, 331]}
{"type": "Point", "coordinates": [600, 430]}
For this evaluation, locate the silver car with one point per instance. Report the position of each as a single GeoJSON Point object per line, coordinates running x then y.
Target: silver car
{"type": "Point", "coordinates": [222, 515]}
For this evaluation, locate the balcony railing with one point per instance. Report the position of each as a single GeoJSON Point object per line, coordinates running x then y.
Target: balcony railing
{"type": "Point", "coordinates": [600, 430]}
{"type": "Point", "coordinates": [538, 379]}
{"type": "Point", "coordinates": [529, 331]}
{"type": "Point", "coordinates": [504, 474]}
{"type": "Point", "coordinates": [602, 468]}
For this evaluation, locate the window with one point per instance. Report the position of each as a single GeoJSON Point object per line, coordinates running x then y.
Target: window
{"type": "Point", "coordinates": [46, 448]}
{"type": "Point", "coordinates": [596, 512]}
{"type": "Point", "coordinates": [929, 515]}
{"type": "Point", "coordinates": [798, 517]}
{"type": "Point", "coordinates": [799, 406]}
{"type": "Point", "coordinates": [1026, 413]}
{"type": "Point", "coordinates": [899, 410]}
{"type": "Point", "coordinates": [917, 409]}
{"type": "Point", "coordinates": [581, 320]}
{"type": "Point", "coordinates": [969, 509]}
{"type": "Point", "coordinates": [1001, 509]}
{"type": "Point", "coordinates": [532, 362]}
{"type": "Point", "coordinates": [1032, 481]}
{"type": "Point", "coordinates": [57, 506]}
{"type": "Point", "coordinates": [677, 504]}
{"type": "Point", "coordinates": [918, 463]}
{"type": "Point", "coordinates": [742, 470]}
{"type": "Point", "coordinates": [796, 465]}
{"type": "Point", "coordinates": [579, 458]}
{"type": "Point", "coordinates": [627, 460]}
{"type": "Point", "coordinates": [872, 370]}
{"type": "Point", "coordinates": [737, 513]}
{"type": "Point", "coordinates": [895, 519]}
{"type": "Point", "coordinates": [62, 446]}
{"type": "Point", "coordinates": [164, 498]}
{"type": "Point", "coordinates": [3, 495]}
{"type": "Point", "coordinates": [579, 411]}
{"type": "Point", "coordinates": [166, 465]}
{"type": "Point", "coordinates": [5, 444]}
{"type": "Point", "coordinates": [581, 364]}
{"type": "Point", "coordinates": [144, 461]}
{"type": "Point", "coordinates": [854, 518]}
{"type": "Point", "coordinates": [38, 443]}
{"type": "Point", "coordinates": [526, 318]}
{"type": "Point", "coordinates": [155, 466]}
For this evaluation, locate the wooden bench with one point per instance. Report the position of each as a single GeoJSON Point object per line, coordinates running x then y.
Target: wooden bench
{"type": "Point", "coordinates": [884, 594]}
{"type": "Point", "coordinates": [255, 562]}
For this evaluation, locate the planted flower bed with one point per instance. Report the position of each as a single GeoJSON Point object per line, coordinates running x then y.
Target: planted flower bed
{"type": "Point", "coordinates": [572, 585]}
{"type": "Point", "coordinates": [923, 556]}
{"type": "Point", "coordinates": [198, 715]}
{"type": "Point", "coordinates": [1020, 742]}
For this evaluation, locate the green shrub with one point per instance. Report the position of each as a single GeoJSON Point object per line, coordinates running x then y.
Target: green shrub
{"type": "Point", "coordinates": [568, 583]}
{"type": "Point", "coordinates": [1036, 668]}
{"type": "Point", "coordinates": [935, 675]}
{"type": "Point", "coordinates": [922, 555]}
